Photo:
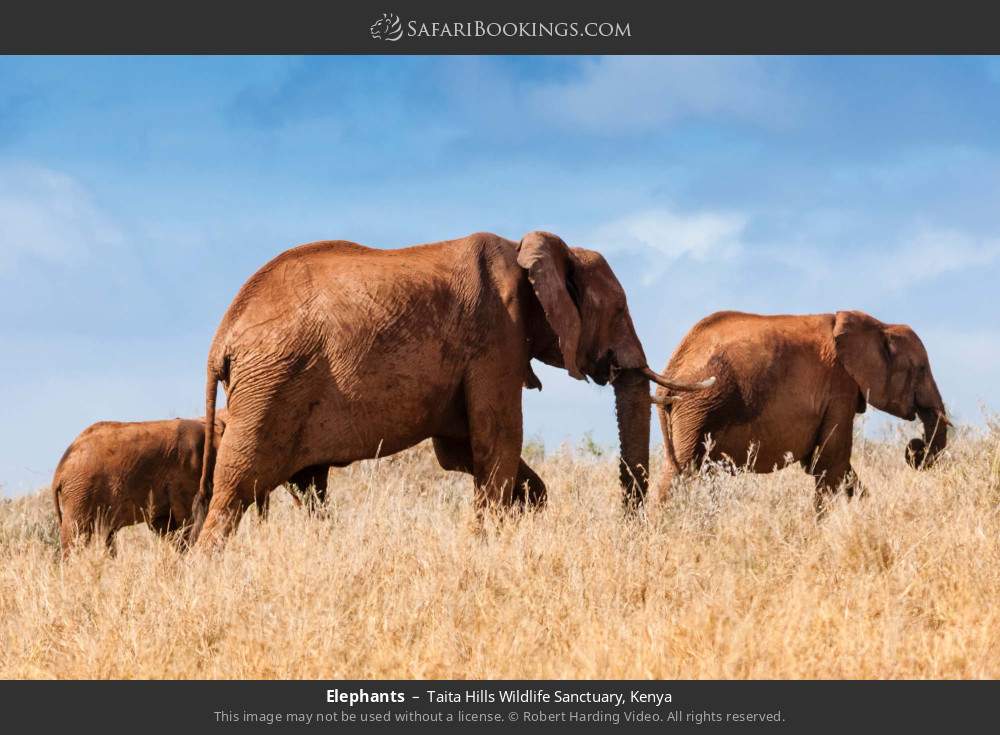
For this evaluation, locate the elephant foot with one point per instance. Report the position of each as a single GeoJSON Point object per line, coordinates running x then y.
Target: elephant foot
{"type": "Point", "coordinates": [530, 495]}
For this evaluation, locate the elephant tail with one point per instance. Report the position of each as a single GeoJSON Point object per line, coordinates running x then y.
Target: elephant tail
{"type": "Point", "coordinates": [204, 496]}
{"type": "Point", "coordinates": [56, 490]}
{"type": "Point", "coordinates": [57, 480]}
{"type": "Point", "coordinates": [668, 439]}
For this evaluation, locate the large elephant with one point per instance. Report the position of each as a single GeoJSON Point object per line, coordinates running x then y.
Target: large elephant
{"type": "Point", "coordinates": [791, 385]}
{"type": "Point", "coordinates": [334, 352]}
{"type": "Point", "coordinates": [116, 474]}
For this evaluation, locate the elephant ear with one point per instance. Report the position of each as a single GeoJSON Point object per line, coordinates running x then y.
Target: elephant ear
{"type": "Point", "coordinates": [549, 264]}
{"type": "Point", "coordinates": [864, 351]}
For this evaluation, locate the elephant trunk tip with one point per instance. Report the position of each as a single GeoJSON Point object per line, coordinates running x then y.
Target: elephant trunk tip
{"type": "Point", "coordinates": [917, 455]}
{"type": "Point", "coordinates": [922, 452]}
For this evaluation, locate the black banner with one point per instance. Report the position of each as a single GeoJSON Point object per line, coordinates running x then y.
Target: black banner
{"type": "Point", "coordinates": [514, 27]}
{"type": "Point", "coordinates": [511, 706]}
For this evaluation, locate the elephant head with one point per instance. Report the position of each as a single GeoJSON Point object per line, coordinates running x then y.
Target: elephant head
{"type": "Point", "coordinates": [893, 373]}
{"type": "Point", "coordinates": [584, 326]}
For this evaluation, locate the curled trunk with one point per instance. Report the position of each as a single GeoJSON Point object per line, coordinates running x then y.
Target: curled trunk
{"type": "Point", "coordinates": [633, 409]}
{"type": "Point", "coordinates": [921, 453]}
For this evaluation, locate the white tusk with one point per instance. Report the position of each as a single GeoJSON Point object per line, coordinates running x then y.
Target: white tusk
{"type": "Point", "coordinates": [676, 385]}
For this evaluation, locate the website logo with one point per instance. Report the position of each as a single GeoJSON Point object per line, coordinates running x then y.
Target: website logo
{"type": "Point", "coordinates": [390, 28]}
{"type": "Point", "coordinates": [387, 28]}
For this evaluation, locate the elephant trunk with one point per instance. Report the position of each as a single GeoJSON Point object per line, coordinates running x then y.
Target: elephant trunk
{"type": "Point", "coordinates": [921, 453]}
{"type": "Point", "coordinates": [632, 407]}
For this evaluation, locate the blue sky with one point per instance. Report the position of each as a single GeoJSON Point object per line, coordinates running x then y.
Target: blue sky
{"type": "Point", "coordinates": [137, 194]}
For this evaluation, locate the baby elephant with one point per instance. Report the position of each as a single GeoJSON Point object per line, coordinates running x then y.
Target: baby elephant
{"type": "Point", "coordinates": [790, 386]}
{"type": "Point", "coordinates": [118, 474]}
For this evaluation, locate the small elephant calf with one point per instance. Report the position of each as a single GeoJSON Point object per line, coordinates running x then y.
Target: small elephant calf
{"type": "Point", "coordinates": [118, 474]}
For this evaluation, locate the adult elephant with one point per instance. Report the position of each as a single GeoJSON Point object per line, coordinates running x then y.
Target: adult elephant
{"type": "Point", "coordinates": [791, 385]}
{"type": "Point", "coordinates": [335, 352]}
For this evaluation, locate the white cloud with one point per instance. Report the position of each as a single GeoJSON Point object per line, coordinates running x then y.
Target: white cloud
{"type": "Point", "coordinates": [666, 235]}
{"type": "Point", "coordinates": [636, 93]}
{"type": "Point", "coordinates": [822, 247]}
{"type": "Point", "coordinates": [48, 215]}
{"type": "Point", "coordinates": [931, 253]}
{"type": "Point", "coordinates": [821, 252]}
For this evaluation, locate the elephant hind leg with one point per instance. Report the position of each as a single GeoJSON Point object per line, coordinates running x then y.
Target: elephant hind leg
{"type": "Point", "coordinates": [74, 532]}
{"type": "Point", "coordinates": [252, 459]}
{"type": "Point", "coordinates": [311, 482]}
{"type": "Point", "coordinates": [321, 480]}
{"type": "Point", "coordinates": [262, 501]}
{"type": "Point", "coordinates": [682, 443]}
{"type": "Point", "coordinates": [236, 488]}
{"type": "Point", "coordinates": [109, 541]}
{"type": "Point", "coordinates": [161, 525]}
{"type": "Point", "coordinates": [229, 499]}
{"type": "Point", "coordinates": [79, 521]}
{"type": "Point", "coordinates": [168, 525]}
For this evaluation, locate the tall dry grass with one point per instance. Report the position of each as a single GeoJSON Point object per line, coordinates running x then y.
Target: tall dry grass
{"type": "Point", "coordinates": [732, 577]}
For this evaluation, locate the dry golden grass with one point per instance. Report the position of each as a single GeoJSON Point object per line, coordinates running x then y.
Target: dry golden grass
{"type": "Point", "coordinates": [733, 577]}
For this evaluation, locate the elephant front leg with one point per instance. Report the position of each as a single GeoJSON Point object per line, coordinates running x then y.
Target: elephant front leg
{"type": "Point", "coordinates": [529, 489]}
{"type": "Point", "coordinates": [493, 404]}
{"type": "Point", "coordinates": [829, 480]}
{"type": "Point", "coordinates": [456, 455]}
{"type": "Point", "coordinates": [495, 475]}
{"type": "Point", "coordinates": [830, 463]}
